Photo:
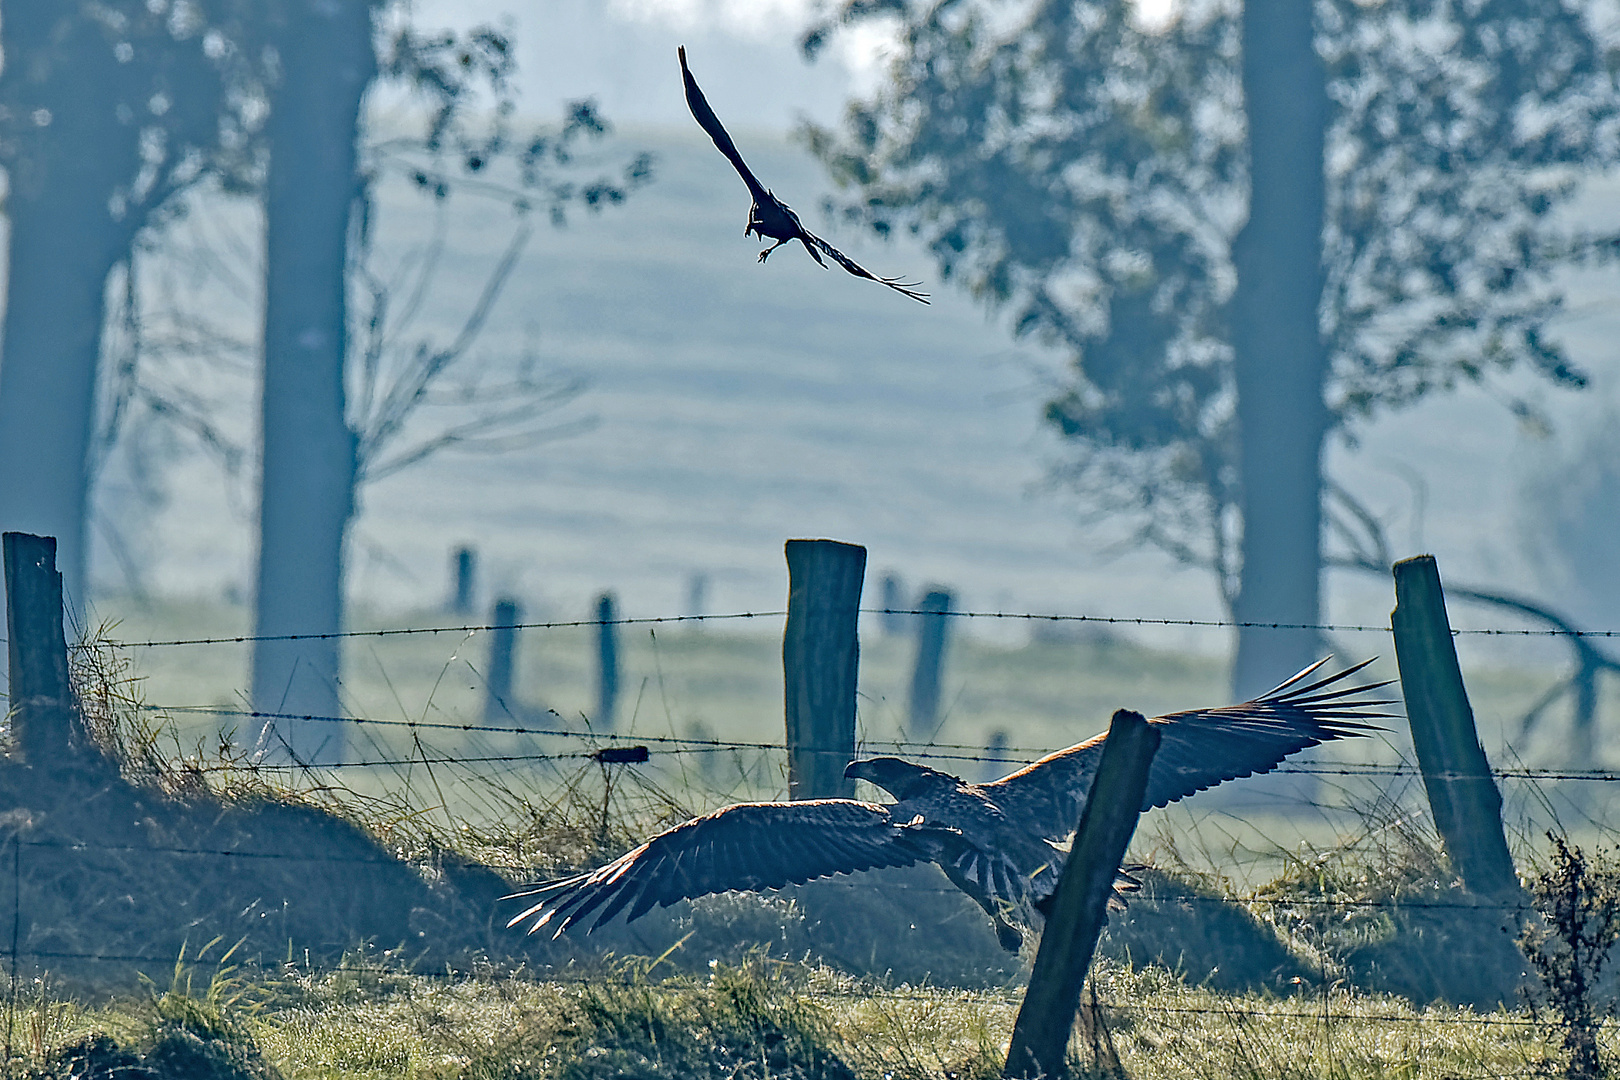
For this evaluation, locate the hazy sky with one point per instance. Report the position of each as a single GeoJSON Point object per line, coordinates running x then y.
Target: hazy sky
{"type": "Point", "coordinates": [622, 52]}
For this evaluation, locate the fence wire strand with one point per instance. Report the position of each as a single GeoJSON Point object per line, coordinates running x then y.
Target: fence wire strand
{"type": "Point", "coordinates": [676, 744]}
{"type": "Point", "coordinates": [1012, 616]}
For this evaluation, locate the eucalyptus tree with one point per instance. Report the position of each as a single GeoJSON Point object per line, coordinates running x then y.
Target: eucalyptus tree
{"type": "Point", "coordinates": [1249, 229]}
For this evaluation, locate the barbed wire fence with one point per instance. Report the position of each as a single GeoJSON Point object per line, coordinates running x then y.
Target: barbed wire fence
{"type": "Point", "coordinates": [1009, 616]}
{"type": "Point", "coordinates": [592, 741]}
{"type": "Point", "coordinates": [624, 751]}
{"type": "Point", "coordinates": [593, 745]}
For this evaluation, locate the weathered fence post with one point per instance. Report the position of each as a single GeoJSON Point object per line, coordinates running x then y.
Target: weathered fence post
{"type": "Point", "coordinates": [821, 663]}
{"type": "Point", "coordinates": [923, 715]}
{"type": "Point", "coordinates": [607, 660]}
{"type": "Point", "coordinates": [45, 721]}
{"type": "Point", "coordinates": [1040, 1036]}
{"type": "Point", "coordinates": [463, 562]}
{"type": "Point", "coordinates": [1463, 796]}
{"type": "Point", "coordinates": [498, 683]}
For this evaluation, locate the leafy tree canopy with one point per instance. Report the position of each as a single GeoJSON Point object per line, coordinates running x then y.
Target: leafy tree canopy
{"type": "Point", "coordinates": [1088, 174]}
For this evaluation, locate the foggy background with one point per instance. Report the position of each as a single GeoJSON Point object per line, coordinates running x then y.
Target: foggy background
{"type": "Point", "coordinates": [730, 406]}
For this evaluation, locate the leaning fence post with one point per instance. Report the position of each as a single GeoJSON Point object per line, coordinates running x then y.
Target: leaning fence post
{"type": "Point", "coordinates": [821, 663]}
{"type": "Point", "coordinates": [607, 660]}
{"type": "Point", "coordinates": [498, 683]}
{"type": "Point", "coordinates": [1463, 796]}
{"type": "Point", "coordinates": [1040, 1038]}
{"type": "Point", "coordinates": [923, 714]}
{"type": "Point", "coordinates": [45, 721]}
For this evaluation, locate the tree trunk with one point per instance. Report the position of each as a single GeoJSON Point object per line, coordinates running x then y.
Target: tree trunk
{"type": "Point", "coordinates": [64, 241]}
{"type": "Point", "coordinates": [58, 260]}
{"type": "Point", "coordinates": [1280, 356]}
{"type": "Point", "coordinates": [307, 485]}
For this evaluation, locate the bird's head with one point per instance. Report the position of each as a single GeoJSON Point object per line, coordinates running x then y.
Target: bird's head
{"type": "Point", "coordinates": [902, 779]}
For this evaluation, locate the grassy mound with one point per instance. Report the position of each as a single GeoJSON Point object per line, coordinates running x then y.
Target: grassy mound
{"type": "Point", "coordinates": [122, 867]}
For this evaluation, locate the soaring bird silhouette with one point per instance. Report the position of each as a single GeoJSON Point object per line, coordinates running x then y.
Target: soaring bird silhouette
{"type": "Point", "coordinates": [770, 217]}
{"type": "Point", "coordinates": [997, 842]}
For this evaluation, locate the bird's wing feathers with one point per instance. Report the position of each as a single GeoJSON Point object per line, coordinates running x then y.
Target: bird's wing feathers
{"type": "Point", "coordinates": [763, 198]}
{"type": "Point", "coordinates": [1198, 749]}
{"type": "Point", "coordinates": [909, 288]}
{"type": "Point", "coordinates": [711, 123]}
{"type": "Point", "coordinates": [1049, 795]}
{"type": "Point", "coordinates": [749, 846]}
{"type": "Point", "coordinates": [1203, 747]}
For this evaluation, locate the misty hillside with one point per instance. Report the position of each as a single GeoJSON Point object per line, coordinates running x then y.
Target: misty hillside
{"type": "Point", "coordinates": [728, 406]}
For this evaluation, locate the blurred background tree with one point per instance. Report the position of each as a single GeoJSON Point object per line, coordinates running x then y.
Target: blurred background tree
{"type": "Point", "coordinates": [1248, 229]}
{"type": "Point", "coordinates": [109, 113]}
{"type": "Point", "coordinates": [110, 116]}
{"type": "Point", "coordinates": [320, 442]}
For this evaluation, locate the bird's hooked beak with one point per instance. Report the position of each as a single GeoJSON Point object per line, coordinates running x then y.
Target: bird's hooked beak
{"type": "Point", "coordinates": [899, 778]}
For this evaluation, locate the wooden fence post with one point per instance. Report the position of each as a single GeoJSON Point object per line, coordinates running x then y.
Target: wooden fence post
{"type": "Point", "coordinates": [501, 677]}
{"type": "Point", "coordinates": [45, 721]}
{"type": "Point", "coordinates": [893, 623]}
{"type": "Point", "coordinates": [821, 655]}
{"type": "Point", "coordinates": [607, 660]}
{"type": "Point", "coordinates": [1462, 793]}
{"type": "Point", "coordinates": [1040, 1038]}
{"type": "Point", "coordinates": [463, 562]}
{"type": "Point", "coordinates": [996, 763]}
{"type": "Point", "coordinates": [697, 598]}
{"type": "Point", "coordinates": [923, 715]}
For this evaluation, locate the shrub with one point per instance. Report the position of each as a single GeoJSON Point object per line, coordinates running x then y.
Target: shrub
{"type": "Point", "coordinates": [1578, 900]}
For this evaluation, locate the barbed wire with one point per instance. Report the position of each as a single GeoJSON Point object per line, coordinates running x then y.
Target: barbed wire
{"type": "Point", "coordinates": [242, 639]}
{"type": "Point", "coordinates": [675, 744]}
{"type": "Point", "coordinates": [530, 870]}
{"type": "Point", "coordinates": [1019, 616]}
{"type": "Point", "coordinates": [1390, 903]}
{"type": "Point", "coordinates": [1226, 1010]}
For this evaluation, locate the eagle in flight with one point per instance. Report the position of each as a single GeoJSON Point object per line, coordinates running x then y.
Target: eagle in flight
{"type": "Point", "coordinates": [997, 842]}
{"type": "Point", "coordinates": [770, 217]}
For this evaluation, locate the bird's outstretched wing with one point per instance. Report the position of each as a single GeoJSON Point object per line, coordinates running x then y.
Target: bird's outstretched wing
{"type": "Point", "coordinates": [812, 241]}
{"type": "Point", "coordinates": [749, 846]}
{"type": "Point", "coordinates": [711, 123]}
{"type": "Point", "coordinates": [1198, 749]}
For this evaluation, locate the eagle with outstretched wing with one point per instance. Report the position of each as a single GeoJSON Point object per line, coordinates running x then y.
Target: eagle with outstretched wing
{"type": "Point", "coordinates": [770, 217]}
{"type": "Point", "coordinates": [997, 842]}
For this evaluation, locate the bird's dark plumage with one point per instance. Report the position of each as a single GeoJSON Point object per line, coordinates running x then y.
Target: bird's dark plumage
{"type": "Point", "coordinates": [748, 846]}
{"type": "Point", "coordinates": [770, 217]}
{"type": "Point", "coordinates": [996, 842]}
{"type": "Point", "coordinates": [1197, 749]}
